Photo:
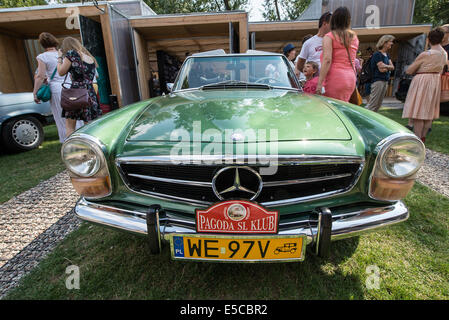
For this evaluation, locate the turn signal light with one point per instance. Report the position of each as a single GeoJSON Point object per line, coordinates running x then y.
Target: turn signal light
{"type": "Point", "coordinates": [96, 187]}
{"type": "Point", "coordinates": [390, 189]}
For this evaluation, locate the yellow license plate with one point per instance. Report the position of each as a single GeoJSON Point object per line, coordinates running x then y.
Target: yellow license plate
{"type": "Point", "coordinates": [238, 248]}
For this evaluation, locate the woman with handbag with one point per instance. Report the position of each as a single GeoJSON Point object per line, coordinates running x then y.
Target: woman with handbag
{"type": "Point", "coordinates": [423, 98]}
{"type": "Point", "coordinates": [337, 75]}
{"type": "Point", "coordinates": [51, 90]}
{"type": "Point", "coordinates": [79, 101]}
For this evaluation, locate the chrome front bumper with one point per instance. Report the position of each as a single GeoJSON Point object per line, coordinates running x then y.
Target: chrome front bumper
{"type": "Point", "coordinates": [344, 225]}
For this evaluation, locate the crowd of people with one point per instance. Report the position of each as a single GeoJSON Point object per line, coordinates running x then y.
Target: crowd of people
{"type": "Point", "coordinates": [330, 64]}
{"type": "Point", "coordinates": [54, 67]}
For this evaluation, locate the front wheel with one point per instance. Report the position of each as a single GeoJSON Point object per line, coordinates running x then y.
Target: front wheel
{"type": "Point", "coordinates": [22, 134]}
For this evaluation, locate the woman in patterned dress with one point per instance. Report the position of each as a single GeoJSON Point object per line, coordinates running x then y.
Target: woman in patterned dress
{"type": "Point", "coordinates": [79, 62]}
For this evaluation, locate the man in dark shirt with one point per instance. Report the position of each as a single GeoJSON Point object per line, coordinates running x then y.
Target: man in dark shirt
{"type": "Point", "coordinates": [381, 66]}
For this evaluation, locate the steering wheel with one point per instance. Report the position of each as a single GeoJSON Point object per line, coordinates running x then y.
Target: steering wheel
{"type": "Point", "coordinates": [265, 80]}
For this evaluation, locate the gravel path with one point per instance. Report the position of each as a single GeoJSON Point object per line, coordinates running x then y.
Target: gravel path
{"type": "Point", "coordinates": [435, 172]}
{"type": "Point", "coordinates": [34, 222]}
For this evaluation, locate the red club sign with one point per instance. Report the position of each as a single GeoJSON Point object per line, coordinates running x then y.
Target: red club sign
{"type": "Point", "coordinates": [237, 216]}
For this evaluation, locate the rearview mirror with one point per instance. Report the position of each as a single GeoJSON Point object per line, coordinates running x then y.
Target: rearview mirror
{"type": "Point", "coordinates": [170, 86]}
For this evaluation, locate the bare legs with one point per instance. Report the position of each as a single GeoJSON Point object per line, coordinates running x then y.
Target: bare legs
{"type": "Point", "coordinates": [70, 125]}
{"type": "Point", "coordinates": [421, 128]}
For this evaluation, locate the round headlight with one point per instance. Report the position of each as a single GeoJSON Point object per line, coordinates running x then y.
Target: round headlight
{"type": "Point", "coordinates": [402, 158]}
{"type": "Point", "coordinates": [81, 157]}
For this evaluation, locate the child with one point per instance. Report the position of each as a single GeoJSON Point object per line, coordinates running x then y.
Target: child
{"type": "Point", "coordinates": [311, 73]}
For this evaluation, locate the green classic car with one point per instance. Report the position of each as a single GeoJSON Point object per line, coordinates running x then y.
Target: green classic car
{"type": "Point", "coordinates": [237, 162]}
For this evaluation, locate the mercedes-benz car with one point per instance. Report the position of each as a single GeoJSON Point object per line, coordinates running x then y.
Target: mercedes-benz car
{"type": "Point", "coordinates": [22, 121]}
{"type": "Point", "coordinates": [236, 162]}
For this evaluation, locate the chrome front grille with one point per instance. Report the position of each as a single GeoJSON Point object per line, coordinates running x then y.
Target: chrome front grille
{"type": "Point", "coordinates": [297, 179]}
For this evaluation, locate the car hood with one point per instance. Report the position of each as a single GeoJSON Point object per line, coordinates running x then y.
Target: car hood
{"type": "Point", "coordinates": [7, 99]}
{"type": "Point", "coordinates": [238, 115]}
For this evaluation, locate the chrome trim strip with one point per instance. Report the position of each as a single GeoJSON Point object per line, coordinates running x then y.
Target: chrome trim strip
{"type": "Point", "coordinates": [177, 181]}
{"type": "Point", "coordinates": [357, 222]}
{"type": "Point", "coordinates": [308, 180]}
{"type": "Point", "coordinates": [262, 160]}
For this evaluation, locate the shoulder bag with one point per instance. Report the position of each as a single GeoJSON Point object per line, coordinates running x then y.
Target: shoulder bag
{"type": "Point", "coordinates": [44, 92]}
{"type": "Point", "coordinates": [74, 99]}
{"type": "Point", "coordinates": [356, 98]}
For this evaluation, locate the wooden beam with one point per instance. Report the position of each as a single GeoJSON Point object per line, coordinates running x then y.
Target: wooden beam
{"type": "Point", "coordinates": [282, 26]}
{"type": "Point", "coordinates": [194, 19]}
{"type": "Point", "coordinates": [29, 14]}
{"type": "Point", "coordinates": [394, 30]}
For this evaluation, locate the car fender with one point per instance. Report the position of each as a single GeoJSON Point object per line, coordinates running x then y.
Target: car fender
{"type": "Point", "coordinates": [41, 111]}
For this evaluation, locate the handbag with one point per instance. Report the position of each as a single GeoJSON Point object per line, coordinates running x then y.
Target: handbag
{"type": "Point", "coordinates": [44, 92]}
{"type": "Point", "coordinates": [74, 99]}
{"type": "Point", "coordinates": [356, 97]}
{"type": "Point", "coordinates": [445, 87]}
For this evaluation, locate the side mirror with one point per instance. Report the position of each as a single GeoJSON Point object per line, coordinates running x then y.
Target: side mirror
{"type": "Point", "coordinates": [170, 86]}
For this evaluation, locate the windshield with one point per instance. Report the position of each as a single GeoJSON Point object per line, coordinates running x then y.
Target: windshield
{"type": "Point", "coordinates": [264, 70]}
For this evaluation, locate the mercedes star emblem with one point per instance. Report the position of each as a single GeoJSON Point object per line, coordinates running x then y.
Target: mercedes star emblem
{"type": "Point", "coordinates": [237, 182]}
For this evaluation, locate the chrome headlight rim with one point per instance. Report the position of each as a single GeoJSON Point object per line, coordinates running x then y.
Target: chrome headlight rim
{"type": "Point", "coordinates": [96, 146]}
{"type": "Point", "coordinates": [385, 145]}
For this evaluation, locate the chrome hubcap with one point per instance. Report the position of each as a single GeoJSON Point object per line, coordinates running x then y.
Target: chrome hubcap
{"type": "Point", "coordinates": [25, 133]}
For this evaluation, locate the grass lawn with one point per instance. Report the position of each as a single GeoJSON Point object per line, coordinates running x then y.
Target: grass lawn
{"type": "Point", "coordinates": [437, 140]}
{"type": "Point", "coordinates": [22, 171]}
{"type": "Point", "coordinates": [412, 258]}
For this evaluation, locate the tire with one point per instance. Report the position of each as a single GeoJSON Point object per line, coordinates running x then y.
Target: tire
{"type": "Point", "coordinates": [22, 134]}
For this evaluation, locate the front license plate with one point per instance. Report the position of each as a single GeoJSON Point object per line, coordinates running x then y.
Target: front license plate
{"type": "Point", "coordinates": [238, 248]}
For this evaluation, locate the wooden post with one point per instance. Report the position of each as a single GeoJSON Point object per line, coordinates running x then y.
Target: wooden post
{"type": "Point", "coordinates": [243, 34]}
{"type": "Point", "coordinates": [110, 56]}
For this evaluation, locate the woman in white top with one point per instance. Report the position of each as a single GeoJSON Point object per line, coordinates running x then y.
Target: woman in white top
{"type": "Point", "coordinates": [47, 63]}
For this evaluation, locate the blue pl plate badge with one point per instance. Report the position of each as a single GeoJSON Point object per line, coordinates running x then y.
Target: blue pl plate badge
{"type": "Point", "coordinates": [178, 246]}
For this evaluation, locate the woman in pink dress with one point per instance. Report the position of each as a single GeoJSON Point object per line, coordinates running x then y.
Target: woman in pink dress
{"type": "Point", "coordinates": [338, 75]}
{"type": "Point", "coordinates": [423, 97]}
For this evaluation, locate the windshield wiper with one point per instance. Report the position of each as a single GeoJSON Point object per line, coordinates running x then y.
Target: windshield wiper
{"type": "Point", "coordinates": [235, 84]}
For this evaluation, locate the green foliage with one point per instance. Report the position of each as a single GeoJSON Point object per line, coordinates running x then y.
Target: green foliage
{"type": "Point", "coordinates": [21, 3]}
{"type": "Point", "coordinates": [284, 9]}
{"type": "Point", "coordinates": [187, 6]}
{"type": "Point", "coordinates": [431, 11]}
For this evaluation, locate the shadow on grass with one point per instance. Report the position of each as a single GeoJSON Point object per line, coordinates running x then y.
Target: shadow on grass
{"type": "Point", "coordinates": [114, 265]}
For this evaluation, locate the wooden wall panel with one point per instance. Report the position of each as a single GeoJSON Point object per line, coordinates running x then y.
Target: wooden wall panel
{"type": "Point", "coordinates": [143, 65]}
{"type": "Point", "coordinates": [14, 72]}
